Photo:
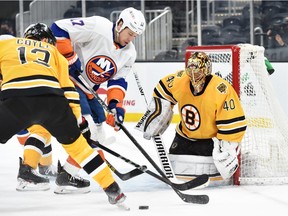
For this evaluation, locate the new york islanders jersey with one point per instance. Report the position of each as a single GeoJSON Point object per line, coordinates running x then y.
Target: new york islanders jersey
{"type": "Point", "coordinates": [216, 112]}
{"type": "Point", "coordinates": [29, 68]}
{"type": "Point", "coordinates": [102, 59]}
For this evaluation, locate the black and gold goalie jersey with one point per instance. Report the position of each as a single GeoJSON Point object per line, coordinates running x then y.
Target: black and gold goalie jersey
{"type": "Point", "coordinates": [29, 68]}
{"type": "Point", "coordinates": [215, 112]}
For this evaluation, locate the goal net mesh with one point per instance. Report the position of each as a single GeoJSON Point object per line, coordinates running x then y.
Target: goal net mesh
{"type": "Point", "coordinates": [264, 148]}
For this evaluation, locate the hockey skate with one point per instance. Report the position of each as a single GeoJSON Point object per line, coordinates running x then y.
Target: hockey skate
{"type": "Point", "coordinates": [49, 171]}
{"type": "Point", "coordinates": [115, 196]}
{"type": "Point", "coordinates": [29, 179]}
{"type": "Point", "coordinates": [68, 184]}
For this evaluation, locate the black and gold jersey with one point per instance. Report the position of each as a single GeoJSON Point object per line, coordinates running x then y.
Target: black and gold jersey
{"type": "Point", "coordinates": [29, 68]}
{"type": "Point", "coordinates": [216, 112]}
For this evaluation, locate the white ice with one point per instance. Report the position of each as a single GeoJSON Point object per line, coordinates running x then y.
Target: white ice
{"type": "Point", "coordinates": [141, 190]}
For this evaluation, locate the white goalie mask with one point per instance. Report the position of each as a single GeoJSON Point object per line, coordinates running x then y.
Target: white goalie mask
{"type": "Point", "coordinates": [133, 19]}
{"type": "Point", "coordinates": [198, 66]}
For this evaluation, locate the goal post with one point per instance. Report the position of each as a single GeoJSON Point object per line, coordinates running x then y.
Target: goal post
{"type": "Point", "coordinates": [263, 154]}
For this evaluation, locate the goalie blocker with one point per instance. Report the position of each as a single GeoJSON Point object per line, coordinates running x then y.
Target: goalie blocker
{"type": "Point", "coordinates": [156, 119]}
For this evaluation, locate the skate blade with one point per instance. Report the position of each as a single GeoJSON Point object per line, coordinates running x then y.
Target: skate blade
{"type": "Point", "coordinates": [123, 206]}
{"type": "Point", "coordinates": [71, 190]}
{"type": "Point", "coordinates": [23, 185]}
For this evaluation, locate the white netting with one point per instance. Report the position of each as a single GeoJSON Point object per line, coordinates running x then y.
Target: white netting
{"type": "Point", "coordinates": [264, 149]}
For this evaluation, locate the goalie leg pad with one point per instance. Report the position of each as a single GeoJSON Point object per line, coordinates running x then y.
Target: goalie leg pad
{"type": "Point", "coordinates": [193, 164]}
{"type": "Point", "coordinates": [187, 167]}
{"type": "Point", "coordinates": [156, 119]}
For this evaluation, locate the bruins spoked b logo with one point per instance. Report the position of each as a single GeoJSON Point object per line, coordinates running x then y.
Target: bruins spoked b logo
{"type": "Point", "coordinates": [191, 117]}
{"type": "Point", "coordinates": [99, 69]}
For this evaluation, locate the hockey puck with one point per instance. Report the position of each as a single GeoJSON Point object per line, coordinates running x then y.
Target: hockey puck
{"type": "Point", "coordinates": [142, 207]}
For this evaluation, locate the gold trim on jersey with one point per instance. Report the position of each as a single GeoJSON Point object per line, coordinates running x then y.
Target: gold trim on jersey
{"type": "Point", "coordinates": [30, 84]}
{"type": "Point", "coordinates": [231, 126]}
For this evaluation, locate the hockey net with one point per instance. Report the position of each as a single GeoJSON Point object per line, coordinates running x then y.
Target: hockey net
{"type": "Point", "coordinates": [264, 149]}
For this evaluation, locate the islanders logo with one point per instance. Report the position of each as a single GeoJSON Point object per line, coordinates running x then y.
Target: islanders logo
{"type": "Point", "coordinates": [99, 69]}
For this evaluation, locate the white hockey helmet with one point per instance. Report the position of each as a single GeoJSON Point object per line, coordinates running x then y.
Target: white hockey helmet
{"type": "Point", "coordinates": [133, 19]}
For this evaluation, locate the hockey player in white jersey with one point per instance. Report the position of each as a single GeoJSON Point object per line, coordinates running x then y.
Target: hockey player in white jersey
{"type": "Point", "coordinates": [103, 52]}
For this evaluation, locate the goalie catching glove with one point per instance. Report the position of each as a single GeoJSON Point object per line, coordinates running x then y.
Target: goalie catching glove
{"type": "Point", "coordinates": [117, 116]}
{"type": "Point", "coordinates": [225, 157]}
{"type": "Point", "coordinates": [156, 119]}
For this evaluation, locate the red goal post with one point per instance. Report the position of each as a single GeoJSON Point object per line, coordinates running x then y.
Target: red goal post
{"type": "Point", "coordinates": [263, 154]}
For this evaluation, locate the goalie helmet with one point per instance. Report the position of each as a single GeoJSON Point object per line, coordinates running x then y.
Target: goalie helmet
{"type": "Point", "coordinates": [40, 31]}
{"type": "Point", "coordinates": [133, 19]}
{"type": "Point", "coordinates": [198, 66]}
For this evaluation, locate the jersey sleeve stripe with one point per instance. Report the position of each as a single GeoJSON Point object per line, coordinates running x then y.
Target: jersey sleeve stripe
{"type": "Point", "coordinates": [229, 121]}
{"type": "Point", "coordinates": [232, 131]}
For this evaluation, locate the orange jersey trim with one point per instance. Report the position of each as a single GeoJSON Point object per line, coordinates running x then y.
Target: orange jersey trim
{"type": "Point", "coordinates": [115, 93]}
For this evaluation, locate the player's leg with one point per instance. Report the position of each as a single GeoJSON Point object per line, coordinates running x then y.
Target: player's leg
{"type": "Point", "coordinates": [36, 151]}
{"type": "Point", "coordinates": [15, 116]}
{"type": "Point", "coordinates": [45, 164]}
{"type": "Point", "coordinates": [68, 181]}
{"type": "Point", "coordinates": [98, 117]}
{"type": "Point", "coordinates": [94, 114]}
{"type": "Point", "coordinates": [28, 178]}
{"type": "Point", "coordinates": [62, 125]}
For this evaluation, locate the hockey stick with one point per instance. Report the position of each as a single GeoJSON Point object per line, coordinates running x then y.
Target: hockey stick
{"type": "Point", "coordinates": [197, 182]}
{"type": "Point", "coordinates": [126, 176]}
{"type": "Point", "coordinates": [157, 140]}
{"type": "Point", "coordinates": [200, 199]}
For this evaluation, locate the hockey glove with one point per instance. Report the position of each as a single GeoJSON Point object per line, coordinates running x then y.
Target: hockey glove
{"type": "Point", "coordinates": [84, 128]}
{"type": "Point", "coordinates": [117, 116]}
{"type": "Point", "coordinates": [225, 157]}
{"type": "Point", "coordinates": [75, 67]}
{"type": "Point", "coordinates": [151, 124]}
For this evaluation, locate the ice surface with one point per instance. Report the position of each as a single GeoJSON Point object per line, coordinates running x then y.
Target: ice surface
{"type": "Point", "coordinates": [141, 190]}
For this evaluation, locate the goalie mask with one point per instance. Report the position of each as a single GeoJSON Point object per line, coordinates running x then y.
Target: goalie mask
{"type": "Point", "coordinates": [40, 31]}
{"type": "Point", "coordinates": [198, 66]}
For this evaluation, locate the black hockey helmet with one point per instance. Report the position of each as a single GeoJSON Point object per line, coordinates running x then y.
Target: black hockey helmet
{"type": "Point", "coordinates": [39, 31]}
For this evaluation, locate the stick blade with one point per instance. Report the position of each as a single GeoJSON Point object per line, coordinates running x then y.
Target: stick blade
{"type": "Point", "coordinates": [196, 199]}
{"type": "Point", "coordinates": [199, 182]}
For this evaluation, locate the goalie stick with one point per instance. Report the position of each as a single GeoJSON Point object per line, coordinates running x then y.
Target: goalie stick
{"type": "Point", "coordinates": [197, 182]}
{"type": "Point", "coordinates": [200, 199]}
{"type": "Point", "coordinates": [157, 140]}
